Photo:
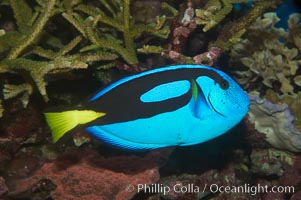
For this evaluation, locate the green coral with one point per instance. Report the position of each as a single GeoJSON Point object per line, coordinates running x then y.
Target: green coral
{"type": "Point", "coordinates": [29, 25]}
{"type": "Point", "coordinates": [276, 55]}
{"type": "Point", "coordinates": [24, 51]}
{"type": "Point", "coordinates": [232, 32]}
{"type": "Point", "coordinates": [147, 49]}
{"type": "Point", "coordinates": [216, 10]}
{"type": "Point", "coordinates": [117, 20]}
{"type": "Point", "coordinates": [11, 91]}
{"type": "Point", "coordinates": [33, 52]}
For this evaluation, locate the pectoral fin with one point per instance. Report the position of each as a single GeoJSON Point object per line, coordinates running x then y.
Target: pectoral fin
{"type": "Point", "coordinates": [200, 107]}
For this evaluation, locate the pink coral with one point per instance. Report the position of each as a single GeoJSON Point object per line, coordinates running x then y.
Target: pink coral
{"type": "Point", "coordinates": [208, 58]}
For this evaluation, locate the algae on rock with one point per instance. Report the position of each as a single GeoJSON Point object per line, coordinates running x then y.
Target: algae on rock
{"type": "Point", "coordinates": [270, 53]}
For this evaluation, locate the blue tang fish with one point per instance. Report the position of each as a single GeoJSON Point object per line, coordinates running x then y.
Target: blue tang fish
{"type": "Point", "coordinates": [171, 106]}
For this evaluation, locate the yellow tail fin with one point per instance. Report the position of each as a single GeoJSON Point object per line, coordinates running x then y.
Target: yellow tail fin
{"type": "Point", "coordinates": [62, 122]}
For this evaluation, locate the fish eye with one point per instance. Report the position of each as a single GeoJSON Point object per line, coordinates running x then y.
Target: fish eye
{"type": "Point", "coordinates": [224, 84]}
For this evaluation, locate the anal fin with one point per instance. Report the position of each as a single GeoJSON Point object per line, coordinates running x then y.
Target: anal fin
{"type": "Point", "coordinates": [107, 137]}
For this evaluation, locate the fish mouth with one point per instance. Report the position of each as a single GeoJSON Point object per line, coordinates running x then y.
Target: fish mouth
{"type": "Point", "coordinates": [212, 106]}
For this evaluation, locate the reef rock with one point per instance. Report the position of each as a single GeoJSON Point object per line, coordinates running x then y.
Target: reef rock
{"type": "Point", "coordinates": [3, 187]}
{"type": "Point", "coordinates": [1, 109]}
{"type": "Point", "coordinates": [85, 175]}
{"type": "Point", "coordinates": [276, 123]}
{"type": "Point", "coordinates": [265, 165]}
{"type": "Point", "coordinates": [296, 196]}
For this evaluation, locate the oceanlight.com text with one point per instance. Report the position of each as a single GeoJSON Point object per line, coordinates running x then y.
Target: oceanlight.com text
{"type": "Point", "coordinates": [212, 188]}
{"type": "Point", "coordinates": [251, 189]}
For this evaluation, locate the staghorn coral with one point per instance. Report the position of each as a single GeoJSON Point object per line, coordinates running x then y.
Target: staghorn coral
{"type": "Point", "coordinates": [29, 49]}
{"type": "Point", "coordinates": [10, 91]}
{"type": "Point", "coordinates": [119, 20]}
{"type": "Point", "coordinates": [232, 32]}
{"type": "Point", "coordinates": [103, 30]}
{"type": "Point", "coordinates": [23, 52]}
{"type": "Point", "coordinates": [275, 121]}
{"type": "Point", "coordinates": [276, 55]}
{"type": "Point", "coordinates": [216, 10]}
{"type": "Point", "coordinates": [180, 30]}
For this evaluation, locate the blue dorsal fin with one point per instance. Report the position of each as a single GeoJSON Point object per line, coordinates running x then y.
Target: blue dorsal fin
{"type": "Point", "coordinates": [120, 142]}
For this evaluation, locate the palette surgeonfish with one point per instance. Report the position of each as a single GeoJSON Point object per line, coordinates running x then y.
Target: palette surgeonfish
{"type": "Point", "coordinates": [171, 106]}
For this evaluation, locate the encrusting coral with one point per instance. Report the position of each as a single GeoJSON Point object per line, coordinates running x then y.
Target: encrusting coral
{"type": "Point", "coordinates": [293, 102]}
{"type": "Point", "coordinates": [276, 122]}
{"type": "Point", "coordinates": [276, 56]}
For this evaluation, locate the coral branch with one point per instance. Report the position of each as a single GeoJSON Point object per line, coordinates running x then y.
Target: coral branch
{"type": "Point", "coordinates": [231, 33]}
{"type": "Point", "coordinates": [39, 69]}
{"type": "Point", "coordinates": [35, 31]}
{"type": "Point", "coordinates": [75, 23]}
{"type": "Point", "coordinates": [11, 91]}
{"type": "Point", "coordinates": [122, 23]}
{"type": "Point", "coordinates": [22, 14]}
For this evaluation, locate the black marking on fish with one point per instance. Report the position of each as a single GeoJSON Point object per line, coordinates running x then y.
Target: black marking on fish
{"type": "Point", "coordinates": [122, 103]}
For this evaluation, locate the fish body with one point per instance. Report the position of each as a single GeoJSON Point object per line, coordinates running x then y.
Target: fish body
{"type": "Point", "coordinates": [171, 106]}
